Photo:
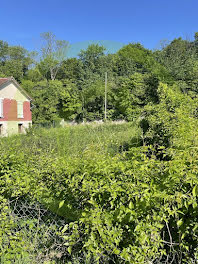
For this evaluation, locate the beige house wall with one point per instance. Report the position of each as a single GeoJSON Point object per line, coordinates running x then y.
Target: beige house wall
{"type": "Point", "coordinates": [9, 128]}
{"type": "Point", "coordinates": [10, 91]}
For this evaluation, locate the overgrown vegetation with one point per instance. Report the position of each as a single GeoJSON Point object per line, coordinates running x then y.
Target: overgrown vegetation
{"type": "Point", "coordinates": [127, 197]}
{"type": "Point", "coordinates": [127, 192]}
{"type": "Point", "coordinates": [73, 88]}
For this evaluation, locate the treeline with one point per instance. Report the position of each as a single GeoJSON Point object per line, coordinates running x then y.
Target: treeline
{"type": "Point", "coordinates": [73, 88]}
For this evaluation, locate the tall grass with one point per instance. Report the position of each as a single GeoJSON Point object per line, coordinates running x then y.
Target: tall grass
{"type": "Point", "coordinates": [75, 140]}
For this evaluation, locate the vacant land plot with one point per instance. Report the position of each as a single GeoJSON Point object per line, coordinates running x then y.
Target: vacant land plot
{"type": "Point", "coordinates": [98, 194]}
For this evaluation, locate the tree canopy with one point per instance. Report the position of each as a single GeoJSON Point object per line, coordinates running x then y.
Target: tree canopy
{"type": "Point", "coordinates": [134, 74]}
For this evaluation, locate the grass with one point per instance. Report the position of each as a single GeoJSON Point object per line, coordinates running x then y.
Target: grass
{"type": "Point", "coordinates": [75, 140]}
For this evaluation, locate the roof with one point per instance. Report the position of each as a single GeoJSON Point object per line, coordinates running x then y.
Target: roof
{"type": "Point", "coordinates": [11, 79]}
{"type": "Point", "coordinates": [3, 80]}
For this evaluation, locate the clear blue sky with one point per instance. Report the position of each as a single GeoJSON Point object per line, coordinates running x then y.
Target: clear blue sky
{"type": "Point", "coordinates": [123, 21]}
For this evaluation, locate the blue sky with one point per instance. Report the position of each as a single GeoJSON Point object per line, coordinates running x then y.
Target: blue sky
{"type": "Point", "coordinates": [123, 21]}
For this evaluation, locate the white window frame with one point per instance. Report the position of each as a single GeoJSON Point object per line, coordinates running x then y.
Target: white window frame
{"type": "Point", "coordinates": [18, 115]}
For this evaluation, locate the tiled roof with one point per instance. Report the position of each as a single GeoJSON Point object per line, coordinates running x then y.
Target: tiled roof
{"type": "Point", "coordinates": [3, 80]}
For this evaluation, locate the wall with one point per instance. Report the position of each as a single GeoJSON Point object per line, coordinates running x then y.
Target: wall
{"type": "Point", "coordinates": [10, 91]}
{"type": "Point", "coordinates": [11, 127]}
{"type": "Point", "coordinates": [10, 111]}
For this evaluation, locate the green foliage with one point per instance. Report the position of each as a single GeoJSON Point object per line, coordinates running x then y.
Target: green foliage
{"type": "Point", "coordinates": [46, 100]}
{"type": "Point", "coordinates": [33, 75]}
{"type": "Point", "coordinates": [14, 60]}
{"type": "Point", "coordinates": [135, 58]}
{"type": "Point", "coordinates": [90, 57]}
{"type": "Point", "coordinates": [93, 100]}
{"type": "Point", "coordinates": [129, 206]}
{"type": "Point", "coordinates": [171, 120]}
{"type": "Point", "coordinates": [128, 192]}
{"type": "Point", "coordinates": [83, 77]}
{"type": "Point", "coordinates": [87, 74]}
{"type": "Point", "coordinates": [70, 69]}
{"type": "Point", "coordinates": [132, 93]}
{"type": "Point", "coordinates": [53, 100]}
{"type": "Point", "coordinates": [180, 59]}
{"type": "Point", "coordinates": [69, 102]}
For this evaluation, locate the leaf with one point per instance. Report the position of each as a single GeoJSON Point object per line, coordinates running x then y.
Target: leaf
{"type": "Point", "coordinates": [93, 202]}
{"type": "Point", "coordinates": [61, 204]}
{"type": "Point", "coordinates": [65, 228]}
{"type": "Point", "coordinates": [131, 205]}
{"type": "Point", "coordinates": [195, 191]}
{"type": "Point", "coordinates": [69, 249]}
{"type": "Point", "coordinates": [179, 223]}
{"type": "Point", "coordinates": [116, 251]}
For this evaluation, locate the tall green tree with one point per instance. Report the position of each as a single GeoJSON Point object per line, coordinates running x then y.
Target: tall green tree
{"type": "Point", "coordinates": [135, 58]}
{"type": "Point", "coordinates": [133, 93]}
{"type": "Point", "coordinates": [15, 60]}
{"type": "Point", "coordinates": [70, 69]}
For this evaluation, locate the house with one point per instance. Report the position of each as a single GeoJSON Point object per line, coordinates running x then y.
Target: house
{"type": "Point", "coordinates": [15, 110]}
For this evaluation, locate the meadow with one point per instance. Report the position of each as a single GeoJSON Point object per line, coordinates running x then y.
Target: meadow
{"type": "Point", "coordinates": [72, 141]}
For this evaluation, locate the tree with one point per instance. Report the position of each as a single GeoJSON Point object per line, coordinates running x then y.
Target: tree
{"type": "Point", "coordinates": [133, 93]}
{"type": "Point", "coordinates": [69, 69]}
{"type": "Point", "coordinates": [91, 54]}
{"type": "Point", "coordinates": [15, 60]}
{"type": "Point", "coordinates": [70, 105]}
{"type": "Point", "coordinates": [178, 58]}
{"type": "Point", "coordinates": [93, 100]}
{"type": "Point", "coordinates": [91, 60]}
{"type": "Point", "coordinates": [135, 58]}
{"type": "Point", "coordinates": [46, 101]}
{"type": "Point", "coordinates": [53, 52]}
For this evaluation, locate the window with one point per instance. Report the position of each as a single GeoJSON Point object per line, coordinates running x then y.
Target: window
{"type": "Point", "coordinates": [19, 109]}
{"type": "Point", "coordinates": [20, 128]}
{"type": "Point", "coordinates": [1, 129]}
{"type": "Point", "coordinates": [1, 108]}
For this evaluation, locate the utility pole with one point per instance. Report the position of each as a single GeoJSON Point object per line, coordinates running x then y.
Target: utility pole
{"type": "Point", "coordinates": [105, 106]}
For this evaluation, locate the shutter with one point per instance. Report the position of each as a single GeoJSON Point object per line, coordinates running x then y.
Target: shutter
{"type": "Point", "coordinates": [1, 107]}
{"type": "Point", "coordinates": [20, 109]}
